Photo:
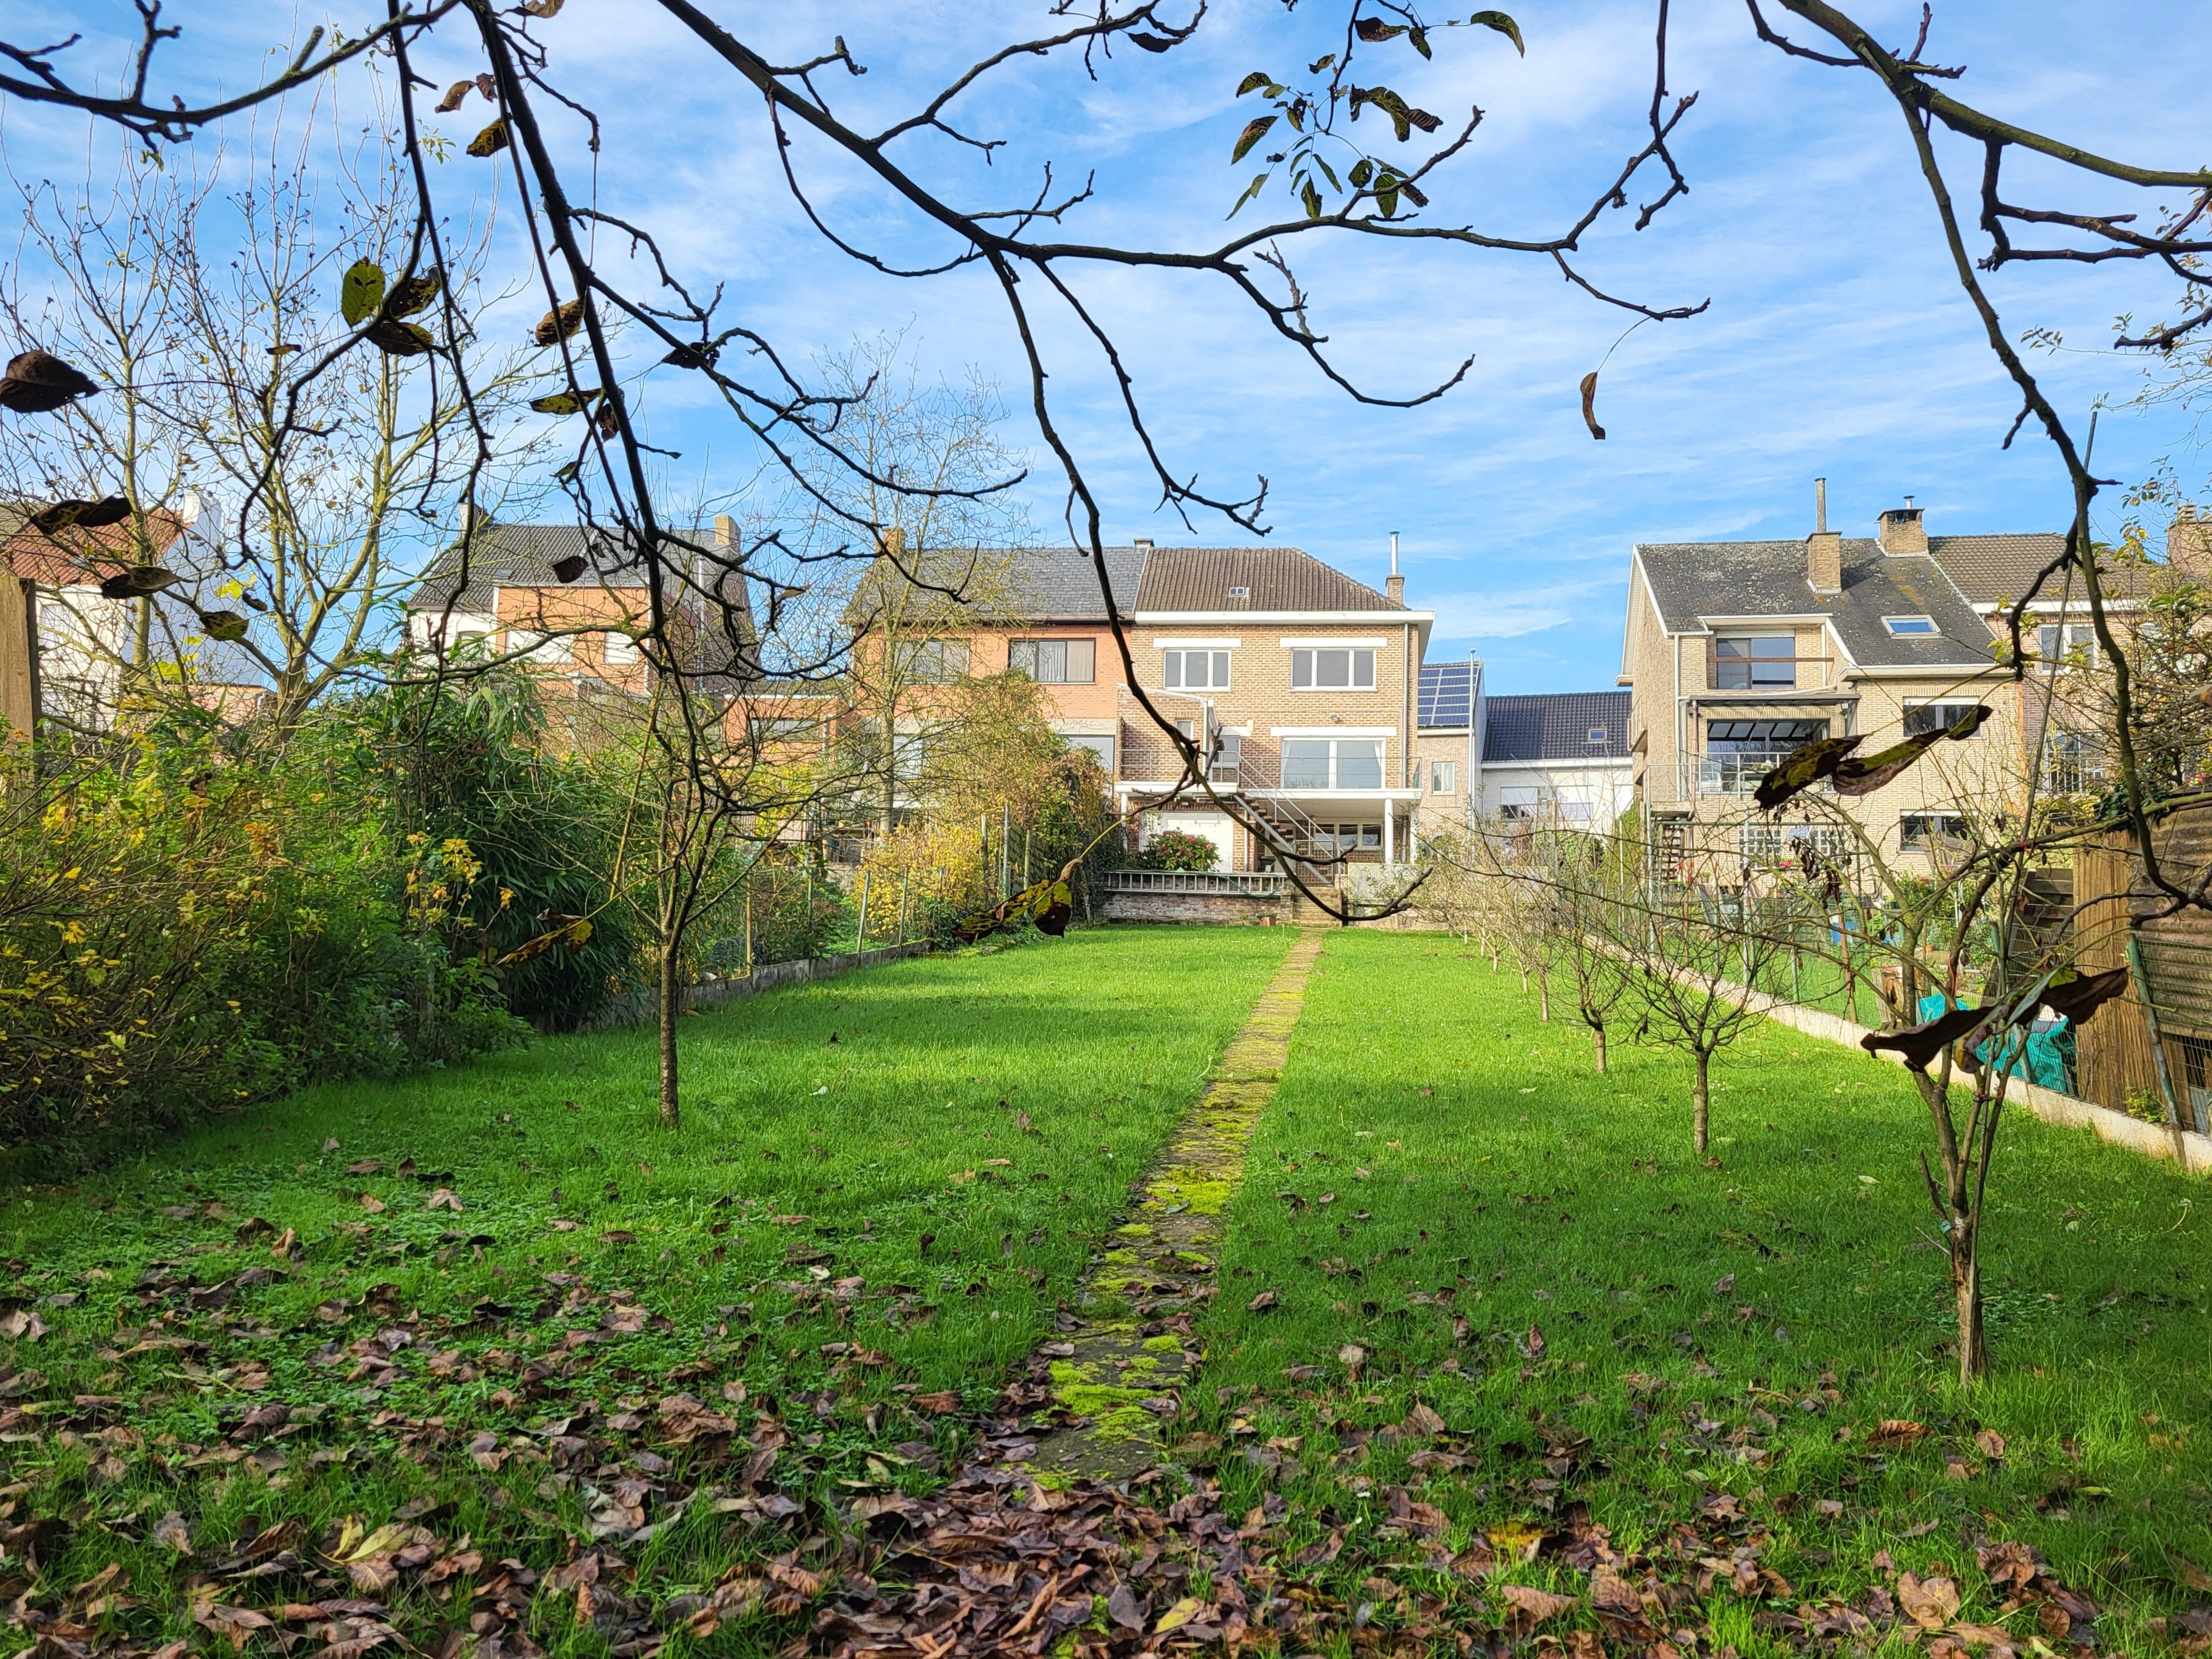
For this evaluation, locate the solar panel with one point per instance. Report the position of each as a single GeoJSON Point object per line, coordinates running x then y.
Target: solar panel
{"type": "Point", "coordinates": [1446, 694]}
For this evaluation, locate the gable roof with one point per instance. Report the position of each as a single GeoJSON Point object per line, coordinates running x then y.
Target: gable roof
{"type": "Point", "coordinates": [74, 558]}
{"type": "Point", "coordinates": [1555, 726]}
{"type": "Point", "coordinates": [1199, 578]}
{"type": "Point", "coordinates": [1060, 585]}
{"type": "Point", "coordinates": [1691, 581]}
{"type": "Point", "coordinates": [523, 555]}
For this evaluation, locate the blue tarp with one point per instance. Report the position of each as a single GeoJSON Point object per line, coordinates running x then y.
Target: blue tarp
{"type": "Point", "coordinates": [2049, 1056]}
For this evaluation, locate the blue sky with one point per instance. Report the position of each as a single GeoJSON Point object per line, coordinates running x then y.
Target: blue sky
{"type": "Point", "coordinates": [1836, 342]}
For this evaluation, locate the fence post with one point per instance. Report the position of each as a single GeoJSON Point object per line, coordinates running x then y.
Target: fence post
{"type": "Point", "coordinates": [808, 913]}
{"type": "Point", "coordinates": [860, 932]}
{"type": "Point", "coordinates": [749, 925]}
{"type": "Point", "coordinates": [905, 876]}
{"type": "Point", "coordinates": [2139, 980]}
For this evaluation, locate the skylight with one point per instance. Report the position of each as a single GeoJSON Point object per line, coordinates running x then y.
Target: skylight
{"type": "Point", "coordinates": [1911, 626]}
{"type": "Point", "coordinates": [1597, 734]}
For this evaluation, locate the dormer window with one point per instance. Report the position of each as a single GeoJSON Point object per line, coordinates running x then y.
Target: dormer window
{"type": "Point", "coordinates": [1911, 628]}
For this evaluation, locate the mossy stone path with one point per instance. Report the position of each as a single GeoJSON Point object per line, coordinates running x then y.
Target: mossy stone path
{"type": "Point", "coordinates": [1119, 1366]}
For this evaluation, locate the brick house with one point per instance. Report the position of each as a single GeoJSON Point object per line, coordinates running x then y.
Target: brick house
{"type": "Point", "coordinates": [568, 597]}
{"type": "Point", "coordinates": [1558, 758]}
{"type": "Point", "coordinates": [1737, 652]}
{"type": "Point", "coordinates": [1305, 679]}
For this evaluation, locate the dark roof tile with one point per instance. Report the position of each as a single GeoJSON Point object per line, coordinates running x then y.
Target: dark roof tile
{"type": "Point", "coordinates": [1555, 726]}
{"type": "Point", "coordinates": [1692, 581]}
{"type": "Point", "coordinates": [1200, 578]}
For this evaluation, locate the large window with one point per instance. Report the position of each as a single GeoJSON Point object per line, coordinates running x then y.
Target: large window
{"type": "Point", "coordinates": [1054, 662]}
{"type": "Point", "coordinates": [1195, 671]}
{"type": "Point", "coordinates": [1331, 668]}
{"type": "Point", "coordinates": [1739, 753]}
{"type": "Point", "coordinates": [1925, 717]}
{"type": "Point", "coordinates": [1750, 663]}
{"type": "Point", "coordinates": [1332, 763]}
{"type": "Point", "coordinates": [938, 662]}
{"type": "Point", "coordinates": [779, 728]}
{"type": "Point", "coordinates": [1349, 837]}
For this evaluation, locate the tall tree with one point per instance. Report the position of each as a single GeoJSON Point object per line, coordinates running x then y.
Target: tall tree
{"type": "Point", "coordinates": [216, 312]}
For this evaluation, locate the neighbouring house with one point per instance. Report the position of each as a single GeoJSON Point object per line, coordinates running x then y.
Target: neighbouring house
{"type": "Point", "coordinates": [77, 646]}
{"type": "Point", "coordinates": [1737, 652]}
{"type": "Point", "coordinates": [1555, 757]}
{"type": "Point", "coordinates": [572, 602]}
{"type": "Point", "coordinates": [1305, 678]}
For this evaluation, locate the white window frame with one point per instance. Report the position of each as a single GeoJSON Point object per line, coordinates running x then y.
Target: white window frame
{"type": "Point", "coordinates": [1444, 777]}
{"type": "Point", "coordinates": [1174, 668]}
{"type": "Point", "coordinates": [2065, 637]}
{"type": "Point", "coordinates": [617, 650]}
{"type": "Point", "coordinates": [1305, 668]}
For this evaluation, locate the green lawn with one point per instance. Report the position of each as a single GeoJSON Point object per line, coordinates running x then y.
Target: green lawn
{"type": "Point", "coordinates": [884, 1185]}
{"type": "Point", "coordinates": [548, 1370]}
{"type": "Point", "coordinates": [1532, 1253]}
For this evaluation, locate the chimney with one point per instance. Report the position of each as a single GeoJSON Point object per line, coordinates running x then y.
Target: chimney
{"type": "Point", "coordinates": [894, 541]}
{"type": "Point", "coordinates": [1140, 541]}
{"type": "Point", "coordinates": [2189, 543]}
{"type": "Point", "coordinates": [1396, 587]}
{"type": "Point", "coordinates": [725, 530]}
{"type": "Point", "coordinates": [1902, 530]}
{"type": "Point", "coordinates": [1824, 547]}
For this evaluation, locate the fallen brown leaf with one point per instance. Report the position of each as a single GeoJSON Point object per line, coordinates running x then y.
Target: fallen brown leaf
{"type": "Point", "coordinates": [1928, 1602]}
{"type": "Point", "coordinates": [1537, 1606]}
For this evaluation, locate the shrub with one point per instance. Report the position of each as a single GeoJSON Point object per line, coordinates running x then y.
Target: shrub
{"type": "Point", "coordinates": [1177, 850]}
{"type": "Point", "coordinates": [182, 932]}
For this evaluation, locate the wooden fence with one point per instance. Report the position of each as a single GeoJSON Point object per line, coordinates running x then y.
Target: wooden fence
{"type": "Point", "coordinates": [2152, 1048]}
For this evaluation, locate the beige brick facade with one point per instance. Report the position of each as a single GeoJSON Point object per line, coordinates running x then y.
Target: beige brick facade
{"type": "Point", "coordinates": [1898, 635]}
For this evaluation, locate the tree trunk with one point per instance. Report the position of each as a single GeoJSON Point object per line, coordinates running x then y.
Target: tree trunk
{"type": "Point", "coordinates": [1700, 1116]}
{"type": "Point", "coordinates": [671, 1010]}
{"type": "Point", "coordinates": [1543, 997]}
{"type": "Point", "coordinates": [1597, 1036]}
{"type": "Point", "coordinates": [1966, 1288]}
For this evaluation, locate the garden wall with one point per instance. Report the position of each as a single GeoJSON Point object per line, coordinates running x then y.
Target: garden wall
{"type": "Point", "coordinates": [1212, 909]}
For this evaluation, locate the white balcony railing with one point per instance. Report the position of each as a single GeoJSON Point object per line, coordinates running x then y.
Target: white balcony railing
{"type": "Point", "coordinates": [1253, 884]}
